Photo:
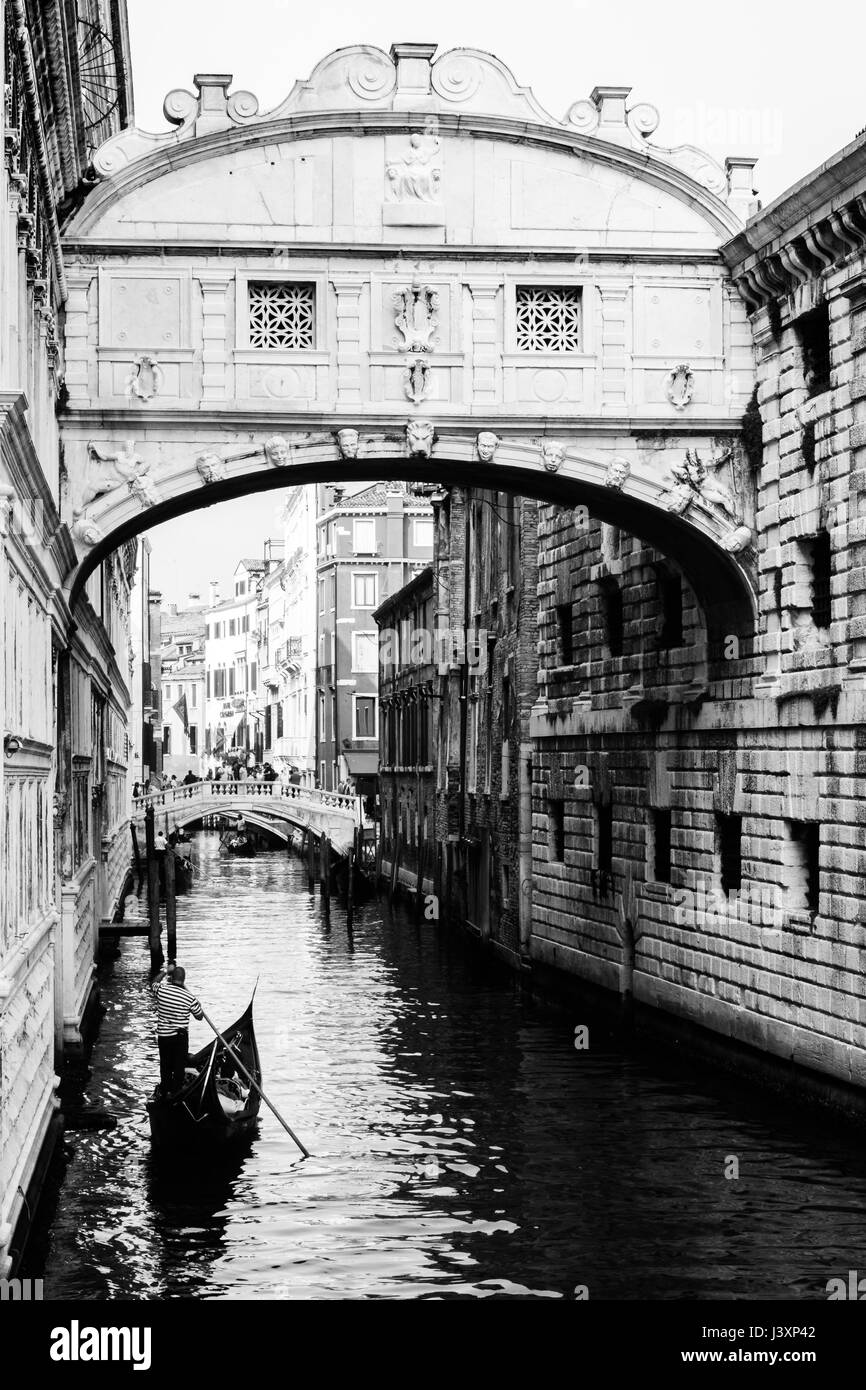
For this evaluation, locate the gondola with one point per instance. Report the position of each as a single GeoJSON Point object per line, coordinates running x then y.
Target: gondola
{"type": "Point", "coordinates": [238, 842]}
{"type": "Point", "coordinates": [183, 867]}
{"type": "Point", "coordinates": [216, 1105]}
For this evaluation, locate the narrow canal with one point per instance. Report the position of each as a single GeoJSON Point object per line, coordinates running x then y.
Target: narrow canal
{"type": "Point", "coordinates": [461, 1146]}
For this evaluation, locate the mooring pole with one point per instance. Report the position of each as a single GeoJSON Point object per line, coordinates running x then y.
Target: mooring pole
{"type": "Point", "coordinates": [325, 872]}
{"type": "Point", "coordinates": [136, 855]}
{"type": "Point", "coordinates": [350, 892]}
{"type": "Point", "coordinates": [395, 866]}
{"type": "Point", "coordinates": [311, 861]}
{"type": "Point", "coordinates": [170, 905]}
{"type": "Point", "coordinates": [419, 887]}
{"type": "Point", "coordinates": [156, 956]}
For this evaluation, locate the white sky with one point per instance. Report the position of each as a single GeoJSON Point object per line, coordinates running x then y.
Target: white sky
{"type": "Point", "coordinates": [780, 79]}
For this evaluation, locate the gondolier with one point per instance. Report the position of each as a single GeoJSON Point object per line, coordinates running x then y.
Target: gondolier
{"type": "Point", "coordinates": [175, 1003]}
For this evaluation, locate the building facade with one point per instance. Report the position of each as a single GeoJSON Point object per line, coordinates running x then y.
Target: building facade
{"type": "Point", "coordinates": [408, 689]}
{"type": "Point", "coordinates": [183, 688]}
{"type": "Point", "coordinates": [370, 541]}
{"type": "Point", "coordinates": [295, 655]}
{"type": "Point", "coordinates": [64, 681]}
{"type": "Point", "coordinates": [231, 667]}
{"type": "Point", "coordinates": [486, 582]}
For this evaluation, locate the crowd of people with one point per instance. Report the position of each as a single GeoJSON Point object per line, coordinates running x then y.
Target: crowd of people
{"type": "Point", "coordinates": [227, 769]}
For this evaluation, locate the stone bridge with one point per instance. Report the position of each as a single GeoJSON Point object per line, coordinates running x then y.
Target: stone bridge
{"type": "Point", "coordinates": [410, 270]}
{"type": "Point", "coordinates": [272, 805]}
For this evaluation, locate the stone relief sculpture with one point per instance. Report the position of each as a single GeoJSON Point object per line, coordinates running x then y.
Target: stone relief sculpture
{"type": "Point", "coordinates": [143, 490]}
{"type": "Point", "coordinates": [277, 451]}
{"type": "Point", "coordinates": [617, 474]}
{"type": "Point", "coordinates": [417, 380]}
{"type": "Point", "coordinates": [348, 442]}
{"type": "Point", "coordinates": [680, 386]}
{"type": "Point", "coordinates": [416, 317]}
{"type": "Point", "coordinates": [145, 378]}
{"type": "Point", "coordinates": [211, 468]}
{"type": "Point", "coordinates": [695, 481]}
{"type": "Point", "coordinates": [415, 176]}
{"type": "Point", "coordinates": [7, 504]}
{"type": "Point", "coordinates": [106, 471]}
{"type": "Point", "coordinates": [737, 540]}
{"type": "Point", "coordinates": [551, 455]}
{"type": "Point", "coordinates": [419, 438]}
{"type": "Point", "coordinates": [86, 531]}
{"type": "Point", "coordinates": [487, 443]}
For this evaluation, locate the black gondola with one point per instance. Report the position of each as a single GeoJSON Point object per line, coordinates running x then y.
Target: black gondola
{"type": "Point", "coordinates": [216, 1105]}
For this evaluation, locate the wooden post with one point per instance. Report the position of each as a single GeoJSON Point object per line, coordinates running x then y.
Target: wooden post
{"type": "Point", "coordinates": [325, 872]}
{"type": "Point", "coordinates": [156, 956]}
{"type": "Point", "coordinates": [136, 855]}
{"type": "Point", "coordinates": [419, 886]}
{"type": "Point", "coordinates": [170, 905]}
{"type": "Point", "coordinates": [350, 893]}
{"type": "Point", "coordinates": [395, 866]}
{"type": "Point", "coordinates": [311, 860]}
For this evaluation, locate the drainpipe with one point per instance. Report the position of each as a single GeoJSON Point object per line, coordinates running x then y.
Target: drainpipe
{"type": "Point", "coordinates": [524, 846]}
{"type": "Point", "coordinates": [32, 93]}
{"type": "Point", "coordinates": [464, 669]}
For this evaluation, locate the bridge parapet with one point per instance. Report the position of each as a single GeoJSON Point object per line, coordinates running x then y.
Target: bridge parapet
{"type": "Point", "coordinates": [331, 813]}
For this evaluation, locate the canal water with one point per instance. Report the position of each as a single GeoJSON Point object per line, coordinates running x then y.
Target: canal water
{"type": "Point", "coordinates": [461, 1146]}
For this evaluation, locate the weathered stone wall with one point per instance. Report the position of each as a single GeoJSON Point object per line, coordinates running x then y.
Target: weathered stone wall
{"type": "Point", "coordinates": [709, 733]}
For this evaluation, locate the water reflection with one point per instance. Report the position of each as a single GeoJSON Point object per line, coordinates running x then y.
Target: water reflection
{"type": "Point", "coordinates": [461, 1147]}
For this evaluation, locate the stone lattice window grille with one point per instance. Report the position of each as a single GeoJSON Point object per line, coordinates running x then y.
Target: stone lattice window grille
{"type": "Point", "coordinates": [282, 314]}
{"type": "Point", "coordinates": [548, 318]}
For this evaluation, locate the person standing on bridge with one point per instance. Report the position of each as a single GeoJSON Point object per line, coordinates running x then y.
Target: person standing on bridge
{"type": "Point", "coordinates": [174, 1006]}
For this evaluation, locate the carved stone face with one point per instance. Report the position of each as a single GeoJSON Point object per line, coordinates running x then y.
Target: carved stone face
{"type": "Point", "coordinates": [86, 531]}
{"type": "Point", "coordinates": [211, 467]}
{"type": "Point", "coordinates": [487, 443]}
{"type": "Point", "coordinates": [617, 473]}
{"type": "Point", "coordinates": [348, 442]}
{"type": "Point", "coordinates": [277, 451]}
{"type": "Point", "coordinates": [551, 455]}
{"type": "Point", "coordinates": [737, 540]}
{"type": "Point", "coordinates": [419, 437]}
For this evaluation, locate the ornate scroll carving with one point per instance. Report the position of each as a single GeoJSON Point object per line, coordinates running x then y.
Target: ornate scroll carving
{"type": "Point", "coordinates": [680, 386]}
{"type": "Point", "coordinates": [417, 317]}
{"type": "Point", "coordinates": [145, 378]}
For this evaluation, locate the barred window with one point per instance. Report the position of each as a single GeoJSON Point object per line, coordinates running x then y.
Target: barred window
{"type": "Point", "coordinates": [548, 318]}
{"type": "Point", "coordinates": [282, 315]}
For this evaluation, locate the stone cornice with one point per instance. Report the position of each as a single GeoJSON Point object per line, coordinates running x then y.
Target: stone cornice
{"type": "Point", "coordinates": [812, 228]}
{"type": "Point", "coordinates": [218, 416]}
{"type": "Point", "coordinates": [105, 248]}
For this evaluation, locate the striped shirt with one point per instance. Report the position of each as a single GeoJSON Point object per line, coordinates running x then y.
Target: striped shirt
{"type": "Point", "coordinates": [174, 1006]}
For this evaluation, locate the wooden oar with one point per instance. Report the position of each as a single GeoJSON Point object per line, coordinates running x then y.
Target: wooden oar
{"type": "Point", "coordinates": [251, 1079]}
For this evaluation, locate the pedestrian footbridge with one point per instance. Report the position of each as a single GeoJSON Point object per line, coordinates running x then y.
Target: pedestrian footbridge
{"type": "Point", "coordinates": [324, 813]}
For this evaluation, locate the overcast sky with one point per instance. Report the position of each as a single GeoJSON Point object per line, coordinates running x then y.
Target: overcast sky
{"type": "Point", "coordinates": [780, 79]}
